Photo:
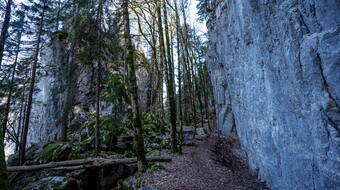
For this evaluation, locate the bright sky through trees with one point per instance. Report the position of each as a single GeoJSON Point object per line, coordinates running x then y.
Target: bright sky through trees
{"type": "Point", "coordinates": [201, 28]}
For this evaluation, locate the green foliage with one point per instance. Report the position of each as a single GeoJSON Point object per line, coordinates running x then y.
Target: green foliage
{"type": "Point", "coordinates": [116, 90]}
{"type": "Point", "coordinates": [66, 184]}
{"type": "Point", "coordinates": [122, 185]}
{"type": "Point", "coordinates": [110, 127]}
{"type": "Point", "coordinates": [138, 55]}
{"type": "Point", "coordinates": [56, 186]}
{"type": "Point", "coordinates": [3, 174]}
{"type": "Point", "coordinates": [140, 183]}
{"type": "Point", "coordinates": [155, 167]}
{"type": "Point", "coordinates": [154, 133]}
{"type": "Point", "coordinates": [28, 181]}
{"type": "Point", "coordinates": [55, 152]}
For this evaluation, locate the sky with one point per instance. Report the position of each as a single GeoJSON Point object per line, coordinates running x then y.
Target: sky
{"type": "Point", "coordinates": [201, 27]}
{"type": "Point", "coordinates": [193, 17]}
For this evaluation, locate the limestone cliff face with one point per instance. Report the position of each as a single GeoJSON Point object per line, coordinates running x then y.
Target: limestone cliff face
{"type": "Point", "coordinates": [275, 67]}
{"type": "Point", "coordinates": [65, 85]}
{"type": "Point", "coordinates": [61, 86]}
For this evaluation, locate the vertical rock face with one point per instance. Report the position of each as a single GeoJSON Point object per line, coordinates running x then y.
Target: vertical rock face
{"type": "Point", "coordinates": [275, 67]}
{"type": "Point", "coordinates": [62, 86]}
{"type": "Point", "coordinates": [45, 123]}
{"type": "Point", "coordinates": [65, 85]}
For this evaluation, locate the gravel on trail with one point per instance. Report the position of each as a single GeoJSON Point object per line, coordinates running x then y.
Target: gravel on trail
{"type": "Point", "coordinates": [198, 168]}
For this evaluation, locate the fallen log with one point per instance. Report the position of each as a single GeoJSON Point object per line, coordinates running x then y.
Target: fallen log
{"type": "Point", "coordinates": [82, 164]}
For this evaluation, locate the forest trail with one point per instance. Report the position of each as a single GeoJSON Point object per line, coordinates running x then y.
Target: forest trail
{"type": "Point", "coordinates": [198, 169]}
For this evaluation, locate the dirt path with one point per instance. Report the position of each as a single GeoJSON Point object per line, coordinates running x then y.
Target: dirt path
{"type": "Point", "coordinates": [197, 169]}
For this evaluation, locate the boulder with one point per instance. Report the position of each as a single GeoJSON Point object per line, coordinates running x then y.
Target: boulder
{"type": "Point", "coordinates": [124, 143]}
{"type": "Point", "coordinates": [31, 154]}
{"type": "Point", "coordinates": [52, 183]}
{"type": "Point", "coordinates": [200, 134]}
{"type": "Point", "coordinates": [188, 134]}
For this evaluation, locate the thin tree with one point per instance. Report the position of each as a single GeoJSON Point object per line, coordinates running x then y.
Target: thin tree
{"type": "Point", "coordinates": [31, 87]}
{"type": "Point", "coordinates": [170, 82]}
{"type": "Point", "coordinates": [99, 23]}
{"type": "Point", "coordinates": [72, 66]}
{"type": "Point", "coordinates": [4, 29]}
{"type": "Point", "coordinates": [4, 184]}
{"type": "Point", "coordinates": [9, 98]}
{"type": "Point", "coordinates": [153, 68]}
{"type": "Point", "coordinates": [21, 112]}
{"type": "Point", "coordinates": [129, 60]}
{"type": "Point", "coordinates": [179, 69]}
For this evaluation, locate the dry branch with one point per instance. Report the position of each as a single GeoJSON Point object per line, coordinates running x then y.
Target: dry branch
{"type": "Point", "coordinates": [82, 164]}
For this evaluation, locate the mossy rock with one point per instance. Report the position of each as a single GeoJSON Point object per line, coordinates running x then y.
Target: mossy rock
{"type": "Point", "coordinates": [67, 184]}
{"type": "Point", "coordinates": [53, 183]}
{"type": "Point", "coordinates": [122, 185]}
{"type": "Point", "coordinates": [59, 151]}
{"type": "Point", "coordinates": [155, 167]}
{"type": "Point", "coordinates": [28, 181]}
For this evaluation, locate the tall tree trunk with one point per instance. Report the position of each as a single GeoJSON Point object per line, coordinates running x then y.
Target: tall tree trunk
{"type": "Point", "coordinates": [71, 68]}
{"type": "Point", "coordinates": [205, 85]}
{"type": "Point", "coordinates": [199, 88]}
{"type": "Point", "coordinates": [4, 183]}
{"type": "Point", "coordinates": [162, 54]}
{"type": "Point", "coordinates": [24, 114]}
{"type": "Point", "coordinates": [133, 85]}
{"type": "Point", "coordinates": [31, 90]}
{"type": "Point", "coordinates": [9, 98]}
{"type": "Point", "coordinates": [4, 29]}
{"type": "Point", "coordinates": [99, 23]}
{"type": "Point", "coordinates": [170, 83]}
{"type": "Point", "coordinates": [22, 105]}
{"type": "Point", "coordinates": [187, 66]}
{"type": "Point", "coordinates": [179, 62]}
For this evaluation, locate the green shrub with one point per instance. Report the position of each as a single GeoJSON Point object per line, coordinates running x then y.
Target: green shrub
{"type": "Point", "coordinates": [55, 152]}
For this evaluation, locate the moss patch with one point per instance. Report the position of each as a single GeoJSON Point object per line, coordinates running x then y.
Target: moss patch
{"type": "Point", "coordinates": [59, 151]}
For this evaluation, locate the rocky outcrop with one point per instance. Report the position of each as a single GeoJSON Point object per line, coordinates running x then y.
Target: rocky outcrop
{"type": "Point", "coordinates": [275, 69]}
{"type": "Point", "coordinates": [66, 90]}
{"type": "Point", "coordinates": [64, 86]}
{"type": "Point", "coordinates": [189, 134]}
{"type": "Point", "coordinates": [55, 182]}
{"type": "Point", "coordinates": [46, 109]}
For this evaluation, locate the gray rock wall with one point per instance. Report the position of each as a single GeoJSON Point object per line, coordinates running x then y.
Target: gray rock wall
{"type": "Point", "coordinates": [47, 108]}
{"type": "Point", "coordinates": [61, 87]}
{"type": "Point", "coordinates": [275, 68]}
{"type": "Point", "coordinates": [65, 86]}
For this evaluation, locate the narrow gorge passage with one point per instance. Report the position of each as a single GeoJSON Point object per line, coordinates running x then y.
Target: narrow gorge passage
{"type": "Point", "coordinates": [106, 94]}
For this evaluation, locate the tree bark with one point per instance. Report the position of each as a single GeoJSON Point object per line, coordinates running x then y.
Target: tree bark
{"type": "Point", "coordinates": [4, 29]}
{"type": "Point", "coordinates": [82, 164]}
{"type": "Point", "coordinates": [99, 23]}
{"type": "Point", "coordinates": [4, 183]}
{"type": "Point", "coordinates": [20, 118]}
{"type": "Point", "coordinates": [179, 62]}
{"type": "Point", "coordinates": [71, 69]}
{"type": "Point", "coordinates": [162, 53]}
{"type": "Point", "coordinates": [31, 90]}
{"type": "Point", "coordinates": [170, 83]}
{"type": "Point", "coordinates": [133, 85]}
{"type": "Point", "coordinates": [9, 98]}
